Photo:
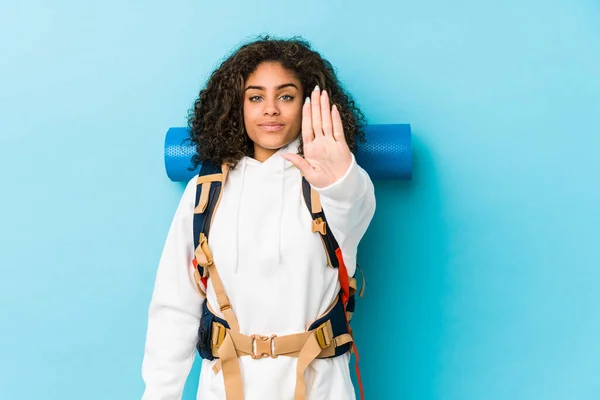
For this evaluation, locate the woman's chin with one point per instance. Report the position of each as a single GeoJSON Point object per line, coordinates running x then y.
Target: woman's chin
{"type": "Point", "coordinates": [274, 142]}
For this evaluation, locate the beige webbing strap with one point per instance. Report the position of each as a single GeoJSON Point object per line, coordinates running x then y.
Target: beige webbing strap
{"type": "Point", "coordinates": [205, 259]}
{"type": "Point", "coordinates": [209, 178]}
{"type": "Point", "coordinates": [364, 282]}
{"type": "Point", "coordinates": [232, 376]}
{"type": "Point", "coordinates": [228, 357]}
{"type": "Point", "coordinates": [309, 352]}
{"type": "Point", "coordinates": [290, 346]}
{"type": "Point", "coordinates": [203, 202]}
{"type": "Point", "coordinates": [225, 169]}
{"type": "Point", "coordinates": [206, 181]}
{"type": "Point", "coordinates": [222, 299]}
{"type": "Point", "coordinates": [352, 285]}
{"type": "Point", "coordinates": [318, 225]}
{"type": "Point", "coordinates": [315, 201]}
{"type": "Point", "coordinates": [259, 346]}
{"type": "Point", "coordinates": [203, 254]}
{"type": "Point", "coordinates": [342, 340]}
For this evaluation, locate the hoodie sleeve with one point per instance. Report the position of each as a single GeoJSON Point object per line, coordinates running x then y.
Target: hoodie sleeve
{"type": "Point", "coordinates": [175, 309]}
{"type": "Point", "coordinates": [349, 206]}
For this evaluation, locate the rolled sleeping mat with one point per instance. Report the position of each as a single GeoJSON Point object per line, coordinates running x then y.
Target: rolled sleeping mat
{"type": "Point", "coordinates": [386, 154]}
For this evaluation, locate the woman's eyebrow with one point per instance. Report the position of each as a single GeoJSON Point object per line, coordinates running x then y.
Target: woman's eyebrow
{"type": "Point", "coordinates": [277, 88]}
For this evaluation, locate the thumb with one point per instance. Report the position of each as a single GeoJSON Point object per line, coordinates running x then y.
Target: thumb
{"type": "Point", "coordinates": [299, 162]}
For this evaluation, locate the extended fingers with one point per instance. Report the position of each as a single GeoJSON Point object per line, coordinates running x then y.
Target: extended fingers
{"type": "Point", "coordinates": [338, 127]}
{"type": "Point", "coordinates": [326, 115]}
{"type": "Point", "coordinates": [316, 111]}
{"type": "Point", "coordinates": [307, 128]}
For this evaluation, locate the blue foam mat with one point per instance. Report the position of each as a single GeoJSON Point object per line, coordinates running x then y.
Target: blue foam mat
{"type": "Point", "coordinates": [386, 154]}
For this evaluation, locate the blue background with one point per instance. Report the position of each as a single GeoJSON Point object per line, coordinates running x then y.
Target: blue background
{"type": "Point", "coordinates": [483, 272]}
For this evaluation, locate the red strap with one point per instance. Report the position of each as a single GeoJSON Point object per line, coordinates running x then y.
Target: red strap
{"type": "Point", "coordinates": [343, 276]}
{"type": "Point", "coordinates": [204, 280]}
{"type": "Point", "coordinates": [358, 378]}
{"type": "Point", "coordinates": [356, 367]}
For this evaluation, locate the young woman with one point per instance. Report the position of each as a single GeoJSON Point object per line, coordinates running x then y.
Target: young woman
{"type": "Point", "coordinates": [273, 112]}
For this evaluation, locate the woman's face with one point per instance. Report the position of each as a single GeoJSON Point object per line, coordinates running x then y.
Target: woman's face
{"type": "Point", "coordinates": [272, 108]}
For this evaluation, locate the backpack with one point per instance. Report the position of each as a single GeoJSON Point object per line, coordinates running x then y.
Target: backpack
{"type": "Point", "coordinates": [328, 336]}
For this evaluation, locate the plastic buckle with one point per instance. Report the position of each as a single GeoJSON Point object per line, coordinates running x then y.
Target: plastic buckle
{"type": "Point", "coordinates": [324, 335]}
{"type": "Point", "coordinates": [319, 225]}
{"type": "Point", "coordinates": [218, 334]}
{"type": "Point", "coordinates": [262, 347]}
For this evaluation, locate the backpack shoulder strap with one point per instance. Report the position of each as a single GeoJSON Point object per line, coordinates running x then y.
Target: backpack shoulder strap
{"type": "Point", "coordinates": [335, 259]}
{"type": "Point", "coordinates": [319, 222]}
{"type": "Point", "coordinates": [332, 249]}
{"type": "Point", "coordinates": [209, 184]}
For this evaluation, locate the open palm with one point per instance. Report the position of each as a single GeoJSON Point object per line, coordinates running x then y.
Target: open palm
{"type": "Point", "coordinates": [327, 156]}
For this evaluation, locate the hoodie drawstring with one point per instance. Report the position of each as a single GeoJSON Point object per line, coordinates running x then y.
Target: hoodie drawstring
{"type": "Point", "coordinates": [277, 243]}
{"type": "Point", "coordinates": [280, 215]}
{"type": "Point", "coordinates": [237, 227]}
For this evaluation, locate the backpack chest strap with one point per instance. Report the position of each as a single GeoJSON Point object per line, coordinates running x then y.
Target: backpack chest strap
{"type": "Point", "coordinates": [318, 342]}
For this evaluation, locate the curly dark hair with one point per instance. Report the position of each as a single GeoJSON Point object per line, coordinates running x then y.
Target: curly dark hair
{"type": "Point", "coordinates": [216, 121]}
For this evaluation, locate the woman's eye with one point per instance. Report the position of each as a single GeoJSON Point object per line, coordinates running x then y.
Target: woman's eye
{"type": "Point", "coordinates": [285, 97]}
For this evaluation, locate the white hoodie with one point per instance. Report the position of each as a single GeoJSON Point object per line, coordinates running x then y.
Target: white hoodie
{"type": "Point", "coordinates": [275, 273]}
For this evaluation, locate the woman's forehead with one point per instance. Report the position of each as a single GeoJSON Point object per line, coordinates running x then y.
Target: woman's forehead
{"type": "Point", "coordinates": [271, 74]}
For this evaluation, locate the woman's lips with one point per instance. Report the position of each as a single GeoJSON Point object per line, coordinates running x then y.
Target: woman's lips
{"type": "Point", "coordinates": [271, 127]}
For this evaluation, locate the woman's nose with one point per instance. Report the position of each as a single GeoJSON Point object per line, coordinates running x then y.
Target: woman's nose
{"type": "Point", "coordinates": [271, 107]}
